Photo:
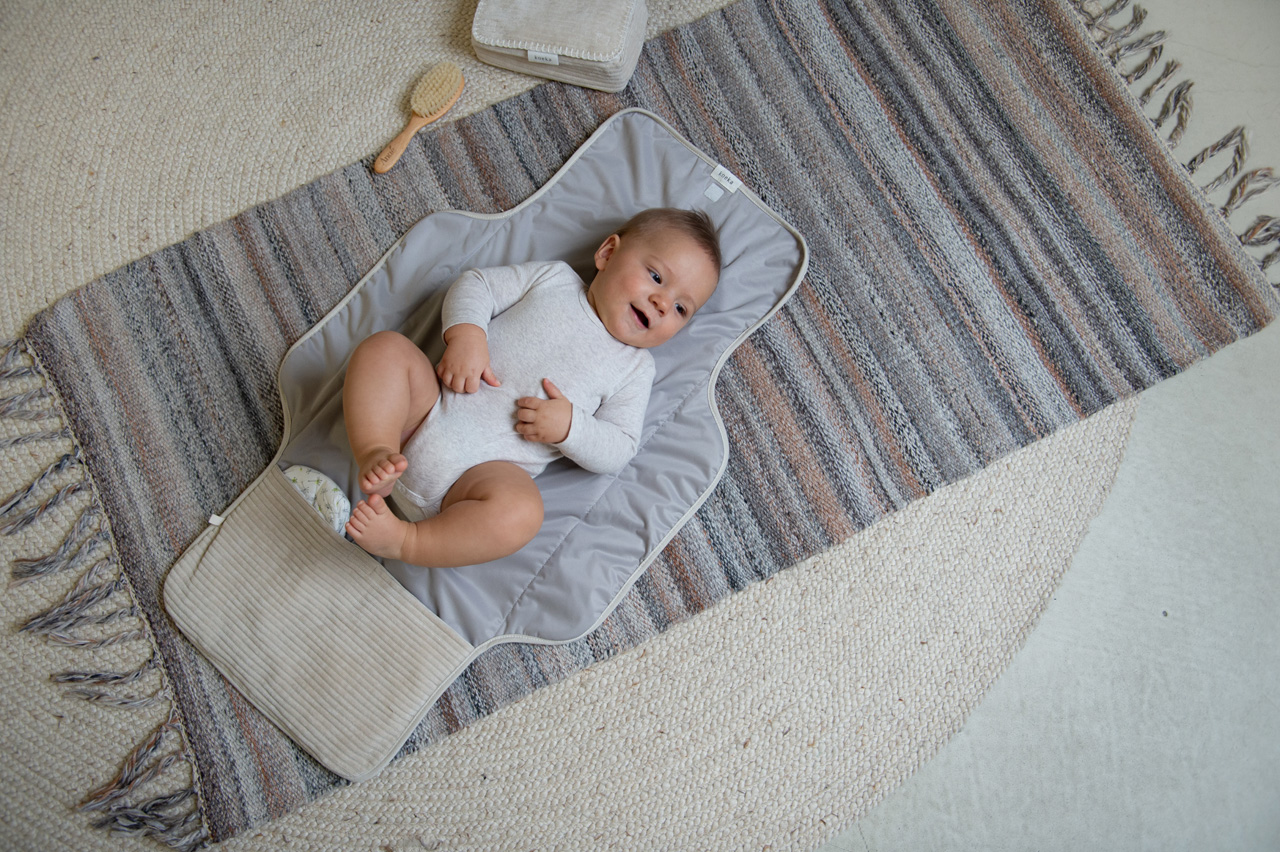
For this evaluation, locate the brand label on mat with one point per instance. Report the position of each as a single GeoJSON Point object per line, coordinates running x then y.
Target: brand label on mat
{"type": "Point", "coordinates": [544, 58]}
{"type": "Point", "coordinates": [726, 178]}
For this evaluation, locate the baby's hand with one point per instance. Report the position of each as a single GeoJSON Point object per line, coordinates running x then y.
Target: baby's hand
{"type": "Point", "coordinates": [465, 362]}
{"type": "Point", "coordinates": [544, 420]}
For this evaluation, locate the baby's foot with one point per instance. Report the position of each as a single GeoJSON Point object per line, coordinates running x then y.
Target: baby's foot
{"type": "Point", "coordinates": [378, 474]}
{"type": "Point", "coordinates": [376, 529]}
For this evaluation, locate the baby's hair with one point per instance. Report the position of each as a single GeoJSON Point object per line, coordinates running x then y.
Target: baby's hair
{"type": "Point", "coordinates": [693, 223]}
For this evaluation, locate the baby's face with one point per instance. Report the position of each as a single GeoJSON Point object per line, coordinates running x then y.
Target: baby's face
{"type": "Point", "coordinates": [649, 284]}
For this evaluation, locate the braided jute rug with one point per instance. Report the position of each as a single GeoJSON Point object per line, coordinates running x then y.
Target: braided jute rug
{"type": "Point", "coordinates": [771, 719]}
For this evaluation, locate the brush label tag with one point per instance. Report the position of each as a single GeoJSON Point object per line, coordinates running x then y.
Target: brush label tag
{"type": "Point", "coordinates": [726, 178]}
{"type": "Point", "coordinates": [543, 58]}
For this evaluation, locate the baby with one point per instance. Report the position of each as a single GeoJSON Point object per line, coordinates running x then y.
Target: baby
{"type": "Point", "coordinates": [457, 445]}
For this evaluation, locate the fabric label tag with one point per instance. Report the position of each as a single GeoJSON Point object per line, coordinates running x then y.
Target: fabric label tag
{"type": "Point", "coordinates": [726, 178]}
{"type": "Point", "coordinates": [544, 58]}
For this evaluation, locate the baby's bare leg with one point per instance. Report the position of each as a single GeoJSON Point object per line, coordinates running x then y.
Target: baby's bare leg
{"type": "Point", "coordinates": [492, 511]}
{"type": "Point", "coordinates": [389, 388]}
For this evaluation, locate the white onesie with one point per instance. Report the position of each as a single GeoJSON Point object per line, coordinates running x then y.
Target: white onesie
{"type": "Point", "coordinates": [539, 325]}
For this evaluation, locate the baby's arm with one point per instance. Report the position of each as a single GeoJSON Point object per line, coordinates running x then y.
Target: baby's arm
{"type": "Point", "coordinates": [475, 298]}
{"type": "Point", "coordinates": [602, 442]}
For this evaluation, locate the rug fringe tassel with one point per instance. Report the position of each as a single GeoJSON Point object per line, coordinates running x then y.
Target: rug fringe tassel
{"type": "Point", "coordinates": [1178, 104]}
{"type": "Point", "coordinates": [72, 612]}
{"type": "Point", "coordinates": [100, 597]}
{"type": "Point", "coordinates": [124, 702]}
{"type": "Point", "coordinates": [27, 518]}
{"type": "Point", "coordinates": [1120, 42]}
{"type": "Point", "coordinates": [159, 818]}
{"type": "Point", "coordinates": [59, 638]}
{"type": "Point", "coordinates": [1170, 68]}
{"type": "Point", "coordinates": [1265, 230]}
{"type": "Point", "coordinates": [1144, 67]}
{"type": "Point", "coordinates": [1238, 140]}
{"type": "Point", "coordinates": [77, 546]}
{"type": "Point", "coordinates": [1148, 42]}
{"type": "Point", "coordinates": [74, 622]}
{"type": "Point", "coordinates": [35, 438]}
{"type": "Point", "coordinates": [169, 817]}
{"type": "Point", "coordinates": [17, 372]}
{"type": "Point", "coordinates": [17, 498]}
{"type": "Point", "coordinates": [1253, 183]}
{"type": "Point", "coordinates": [88, 591]}
{"type": "Point", "coordinates": [21, 405]}
{"type": "Point", "coordinates": [1113, 39]}
{"type": "Point", "coordinates": [139, 766]}
{"type": "Point", "coordinates": [10, 353]}
{"type": "Point", "coordinates": [104, 678]}
{"type": "Point", "coordinates": [1094, 20]}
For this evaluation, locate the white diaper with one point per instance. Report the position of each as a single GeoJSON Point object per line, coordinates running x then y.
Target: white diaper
{"type": "Point", "coordinates": [323, 494]}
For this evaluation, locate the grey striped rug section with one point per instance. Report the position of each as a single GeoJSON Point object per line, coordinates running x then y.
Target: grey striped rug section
{"type": "Point", "coordinates": [1000, 246]}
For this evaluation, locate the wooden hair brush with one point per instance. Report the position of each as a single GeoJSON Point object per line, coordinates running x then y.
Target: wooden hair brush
{"type": "Point", "coordinates": [435, 93]}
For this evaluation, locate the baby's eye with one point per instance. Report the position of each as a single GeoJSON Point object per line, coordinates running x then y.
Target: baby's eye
{"type": "Point", "coordinates": [655, 276]}
{"type": "Point", "coordinates": [682, 310]}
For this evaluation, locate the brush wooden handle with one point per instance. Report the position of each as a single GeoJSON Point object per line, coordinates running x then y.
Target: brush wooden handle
{"type": "Point", "coordinates": [391, 154]}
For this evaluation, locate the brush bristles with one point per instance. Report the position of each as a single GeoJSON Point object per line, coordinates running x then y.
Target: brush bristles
{"type": "Point", "coordinates": [437, 90]}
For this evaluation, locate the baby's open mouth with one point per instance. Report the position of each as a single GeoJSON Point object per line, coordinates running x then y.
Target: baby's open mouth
{"type": "Point", "coordinates": [640, 316]}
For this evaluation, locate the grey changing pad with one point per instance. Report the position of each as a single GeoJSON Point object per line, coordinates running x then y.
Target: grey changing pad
{"type": "Point", "coordinates": [311, 629]}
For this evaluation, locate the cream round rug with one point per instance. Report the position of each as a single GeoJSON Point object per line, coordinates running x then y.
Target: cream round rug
{"type": "Point", "coordinates": [127, 127]}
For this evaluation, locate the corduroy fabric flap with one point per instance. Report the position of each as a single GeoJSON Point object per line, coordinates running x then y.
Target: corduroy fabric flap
{"type": "Point", "coordinates": [318, 637]}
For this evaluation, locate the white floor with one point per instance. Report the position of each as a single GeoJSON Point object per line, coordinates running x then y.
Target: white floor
{"type": "Point", "coordinates": [1144, 712]}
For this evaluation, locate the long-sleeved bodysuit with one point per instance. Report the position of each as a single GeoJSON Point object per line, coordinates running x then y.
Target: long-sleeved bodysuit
{"type": "Point", "coordinates": [539, 325]}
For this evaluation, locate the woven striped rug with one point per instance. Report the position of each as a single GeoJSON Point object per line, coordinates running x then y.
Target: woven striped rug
{"type": "Point", "coordinates": [1000, 246]}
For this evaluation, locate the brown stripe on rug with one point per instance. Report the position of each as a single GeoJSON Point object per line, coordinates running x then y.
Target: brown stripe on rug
{"type": "Point", "coordinates": [999, 245]}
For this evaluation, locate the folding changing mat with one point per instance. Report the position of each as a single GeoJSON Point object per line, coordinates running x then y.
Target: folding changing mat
{"type": "Point", "coordinates": [347, 653]}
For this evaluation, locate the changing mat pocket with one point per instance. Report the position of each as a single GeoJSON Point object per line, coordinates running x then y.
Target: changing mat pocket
{"type": "Point", "coordinates": [329, 646]}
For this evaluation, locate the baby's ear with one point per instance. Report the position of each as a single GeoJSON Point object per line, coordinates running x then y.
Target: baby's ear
{"type": "Point", "coordinates": [606, 250]}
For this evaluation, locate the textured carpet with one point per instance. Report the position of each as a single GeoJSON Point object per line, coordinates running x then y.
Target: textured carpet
{"type": "Point", "coordinates": [960, 456]}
